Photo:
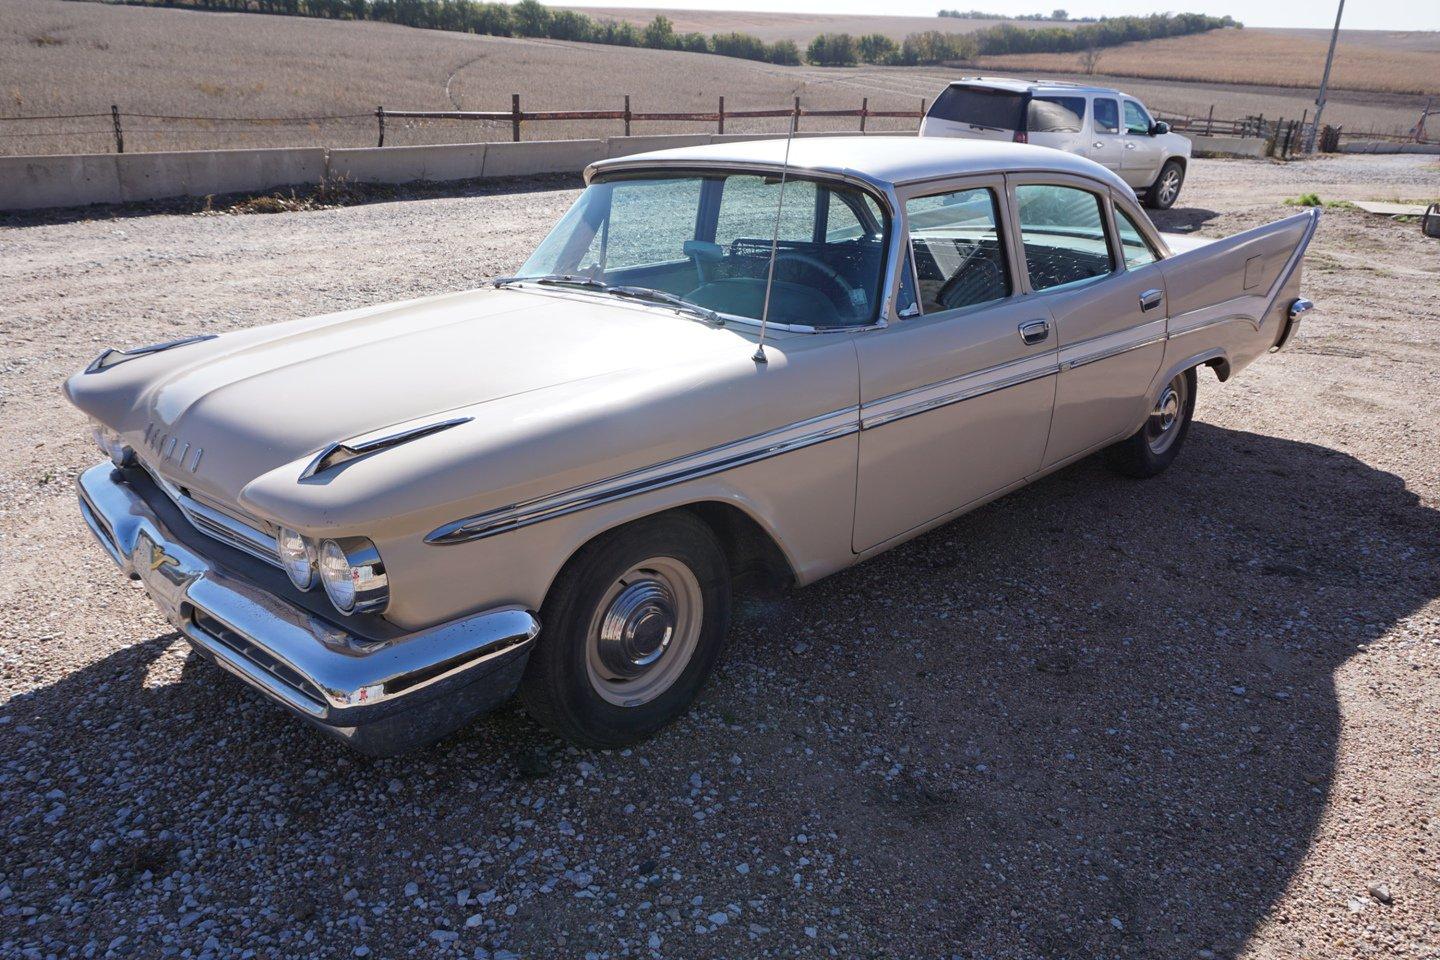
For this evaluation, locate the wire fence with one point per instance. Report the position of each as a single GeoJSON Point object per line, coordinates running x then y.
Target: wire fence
{"type": "Point", "coordinates": [119, 130]}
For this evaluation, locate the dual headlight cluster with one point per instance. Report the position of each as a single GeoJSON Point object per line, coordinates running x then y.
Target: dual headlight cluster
{"type": "Point", "coordinates": [349, 568]}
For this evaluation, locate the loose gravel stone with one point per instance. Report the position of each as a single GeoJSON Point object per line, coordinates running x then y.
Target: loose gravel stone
{"type": "Point", "coordinates": [992, 740]}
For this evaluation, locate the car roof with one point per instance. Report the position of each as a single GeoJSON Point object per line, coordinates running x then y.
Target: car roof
{"type": "Point", "coordinates": [1031, 86]}
{"type": "Point", "coordinates": [883, 162]}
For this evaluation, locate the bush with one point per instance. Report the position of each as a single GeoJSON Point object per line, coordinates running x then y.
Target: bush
{"type": "Point", "coordinates": [876, 48]}
{"type": "Point", "coordinates": [832, 50]}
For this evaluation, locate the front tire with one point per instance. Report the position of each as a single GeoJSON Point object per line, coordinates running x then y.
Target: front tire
{"type": "Point", "coordinates": [1166, 189]}
{"type": "Point", "coordinates": [1151, 449]}
{"type": "Point", "coordinates": [630, 632]}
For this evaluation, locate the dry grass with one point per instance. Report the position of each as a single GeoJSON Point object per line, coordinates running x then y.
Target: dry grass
{"type": "Point", "coordinates": [1406, 63]}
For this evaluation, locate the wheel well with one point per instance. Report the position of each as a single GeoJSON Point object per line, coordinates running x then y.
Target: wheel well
{"type": "Point", "coordinates": [756, 560]}
{"type": "Point", "coordinates": [1221, 366]}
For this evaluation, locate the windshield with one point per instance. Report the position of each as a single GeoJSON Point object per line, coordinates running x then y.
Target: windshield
{"type": "Point", "coordinates": [706, 240]}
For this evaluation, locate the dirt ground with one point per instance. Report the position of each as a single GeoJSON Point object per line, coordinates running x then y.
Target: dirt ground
{"type": "Point", "coordinates": [1196, 716]}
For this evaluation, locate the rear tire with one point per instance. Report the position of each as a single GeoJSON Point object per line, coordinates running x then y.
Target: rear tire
{"type": "Point", "coordinates": [1151, 449]}
{"type": "Point", "coordinates": [630, 632]}
{"type": "Point", "coordinates": [1166, 189]}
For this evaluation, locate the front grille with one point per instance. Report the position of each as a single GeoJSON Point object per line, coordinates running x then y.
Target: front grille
{"type": "Point", "coordinates": [223, 526]}
{"type": "Point", "coordinates": [257, 655]}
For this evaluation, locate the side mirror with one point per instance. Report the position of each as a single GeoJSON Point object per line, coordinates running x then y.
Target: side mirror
{"type": "Point", "coordinates": [1160, 128]}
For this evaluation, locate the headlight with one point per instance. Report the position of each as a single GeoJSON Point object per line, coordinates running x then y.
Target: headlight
{"type": "Point", "coordinates": [298, 556]}
{"type": "Point", "coordinates": [112, 445]}
{"type": "Point", "coordinates": [353, 575]}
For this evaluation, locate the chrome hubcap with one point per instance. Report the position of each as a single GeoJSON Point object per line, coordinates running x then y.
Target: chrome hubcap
{"type": "Point", "coordinates": [637, 628]}
{"type": "Point", "coordinates": [1164, 423]}
{"type": "Point", "coordinates": [1170, 186]}
{"type": "Point", "coordinates": [644, 631]}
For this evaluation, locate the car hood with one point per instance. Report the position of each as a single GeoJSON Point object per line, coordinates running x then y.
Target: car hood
{"type": "Point", "coordinates": [214, 415]}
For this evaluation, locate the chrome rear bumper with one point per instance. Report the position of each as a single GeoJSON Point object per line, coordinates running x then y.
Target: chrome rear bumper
{"type": "Point", "coordinates": [382, 696]}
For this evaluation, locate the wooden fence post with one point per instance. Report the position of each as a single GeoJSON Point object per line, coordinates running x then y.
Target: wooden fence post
{"type": "Point", "coordinates": [380, 119]}
{"type": "Point", "coordinates": [864, 112]}
{"type": "Point", "coordinates": [1210, 120]}
{"type": "Point", "coordinates": [119, 136]}
{"type": "Point", "coordinates": [795, 118]}
{"type": "Point", "coordinates": [721, 127]}
{"type": "Point", "coordinates": [515, 117]}
{"type": "Point", "coordinates": [627, 114]}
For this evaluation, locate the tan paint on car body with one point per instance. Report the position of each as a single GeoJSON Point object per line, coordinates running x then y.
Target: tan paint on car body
{"type": "Point", "coordinates": [568, 391]}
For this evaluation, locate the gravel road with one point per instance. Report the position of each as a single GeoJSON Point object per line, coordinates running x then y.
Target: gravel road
{"type": "Point", "coordinates": [1197, 716]}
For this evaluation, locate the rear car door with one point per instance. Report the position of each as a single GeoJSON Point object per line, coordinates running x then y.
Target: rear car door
{"type": "Point", "coordinates": [1143, 155]}
{"type": "Point", "coordinates": [956, 395]}
{"type": "Point", "coordinates": [1105, 144]}
{"type": "Point", "coordinates": [1109, 315]}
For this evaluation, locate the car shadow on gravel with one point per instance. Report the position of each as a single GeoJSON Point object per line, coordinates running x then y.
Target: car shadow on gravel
{"type": "Point", "coordinates": [1095, 718]}
{"type": "Point", "coordinates": [1182, 219]}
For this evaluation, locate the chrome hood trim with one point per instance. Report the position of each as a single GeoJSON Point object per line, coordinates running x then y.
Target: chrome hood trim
{"type": "Point", "coordinates": [337, 453]}
{"type": "Point", "coordinates": [111, 357]}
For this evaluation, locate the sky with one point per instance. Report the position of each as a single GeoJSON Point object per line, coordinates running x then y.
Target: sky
{"type": "Point", "coordinates": [1359, 14]}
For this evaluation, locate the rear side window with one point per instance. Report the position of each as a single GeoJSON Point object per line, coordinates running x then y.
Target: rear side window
{"type": "Point", "coordinates": [1063, 230]}
{"type": "Point", "coordinates": [982, 107]}
{"type": "Point", "coordinates": [1056, 115]}
{"type": "Point", "coordinates": [959, 260]}
{"type": "Point", "coordinates": [1136, 119]}
{"type": "Point", "coordinates": [1107, 116]}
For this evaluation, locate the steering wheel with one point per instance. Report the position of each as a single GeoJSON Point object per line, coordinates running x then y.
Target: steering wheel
{"type": "Point", "coordinates": [846, 304]}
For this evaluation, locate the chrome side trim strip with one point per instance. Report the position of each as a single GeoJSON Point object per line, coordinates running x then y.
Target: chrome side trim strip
{"type": "Point", "coordinates": [932, 396]}
{"type": "Point", "coordinates": [796, 436]}
{"type": "Point", "coordinates": [1112, 344]}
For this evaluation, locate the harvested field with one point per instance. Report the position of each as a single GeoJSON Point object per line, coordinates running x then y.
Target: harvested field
{"type": "Point", "coordinates": [1365, 60]}
{"type": "Point", "coordinates": [59, 57]}
{"type": "Point", "coordinates": [1191, 717]}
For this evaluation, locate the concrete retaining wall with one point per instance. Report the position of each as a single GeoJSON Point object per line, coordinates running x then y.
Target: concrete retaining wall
{"type": "Point", "coordinates": [1381, 146]}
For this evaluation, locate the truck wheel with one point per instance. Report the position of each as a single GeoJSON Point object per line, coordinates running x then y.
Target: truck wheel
{"type": "Point", "coordinates": [629, 632]}
{"type": "Point", "coordinates": [1166, 189]}
{"type": "Point", "coordinates": [1151, 448]}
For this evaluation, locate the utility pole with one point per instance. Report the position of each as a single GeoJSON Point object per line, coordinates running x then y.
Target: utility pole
{"type": "Point", "coordinates": [1325, 80]}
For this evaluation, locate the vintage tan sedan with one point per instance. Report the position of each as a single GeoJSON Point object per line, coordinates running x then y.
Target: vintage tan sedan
{"type": "Point", "coordinates": [391, 519]}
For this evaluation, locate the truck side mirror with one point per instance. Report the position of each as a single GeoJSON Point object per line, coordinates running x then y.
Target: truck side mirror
{"type": "Point", "coordinates": [1159, 128]}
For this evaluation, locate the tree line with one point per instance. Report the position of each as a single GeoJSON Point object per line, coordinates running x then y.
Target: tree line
{"type": "Point", "coordinates": [938, 46]}
{"type": "Point", "coordinates": [528, 18]}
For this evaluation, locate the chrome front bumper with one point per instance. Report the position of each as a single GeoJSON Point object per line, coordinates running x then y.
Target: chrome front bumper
{"type": "Point", "coordinates": [382, 696]}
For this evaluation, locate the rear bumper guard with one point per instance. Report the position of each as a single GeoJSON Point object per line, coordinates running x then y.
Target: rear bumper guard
{"type": "Point", "coordinates": [381, 696]}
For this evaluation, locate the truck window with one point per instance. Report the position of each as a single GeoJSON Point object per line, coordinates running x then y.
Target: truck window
{"type": "Point", "coordinates": [1056, 115]}
{"type": "Point", "coordinates": [1137, 121]}
{"type": "Point", "coordinates": [983, 107]}
{"type": "Point", "coordinates": [1107, 116]}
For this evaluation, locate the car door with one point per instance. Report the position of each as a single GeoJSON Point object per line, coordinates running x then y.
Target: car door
{"type": "Point", "coordinates": [1109, 319]}
{"type": "Point", "coordinates": [955, 395]}
{"type": "Point", "coordinates": [1106, 144]}
{"type": "Point", "coordinates": [1140, 164]}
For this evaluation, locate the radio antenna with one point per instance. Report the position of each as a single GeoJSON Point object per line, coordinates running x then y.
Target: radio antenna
{"type": "Point", "coordinates": [759, 356]}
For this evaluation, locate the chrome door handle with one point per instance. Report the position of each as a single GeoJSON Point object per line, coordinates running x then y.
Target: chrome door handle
{"type": "Point", "coordinates": [1151, 299]}
{"type": "Point", "coordinates": [1035, 331]}
{"type": "Point", "coordinates": [1129, 146]}
{"type": "Point", "coordinates": [1098, 144]}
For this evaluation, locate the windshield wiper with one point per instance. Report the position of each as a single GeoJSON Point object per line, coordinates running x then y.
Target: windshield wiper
{"type": "Point", "coordinates": [553, 279]}
{"type": "Point", "coordinates": [679, 304]}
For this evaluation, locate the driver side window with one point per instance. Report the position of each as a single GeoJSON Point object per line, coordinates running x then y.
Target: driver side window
{"type": "Point", "coordinates": [959, 259]}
